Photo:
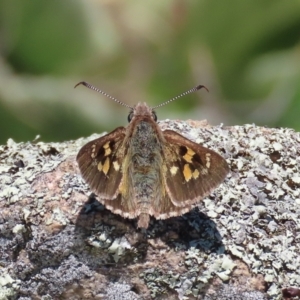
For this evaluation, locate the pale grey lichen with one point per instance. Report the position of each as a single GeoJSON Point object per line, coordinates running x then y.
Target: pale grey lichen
{"type": "Point", "coordinates": [120, 291]}
{"type": "Point", "coordinates": [8, 285]}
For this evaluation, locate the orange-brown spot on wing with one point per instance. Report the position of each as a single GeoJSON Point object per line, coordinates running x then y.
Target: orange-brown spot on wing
{"type": "Point", "coordinates": [187, 172]}
{"type": "Point", "coordinates": [188, 156]}
{"type": "Point", "coordinates": [106, 166]}
{"type": "Point", "coordinates": [107, 149]}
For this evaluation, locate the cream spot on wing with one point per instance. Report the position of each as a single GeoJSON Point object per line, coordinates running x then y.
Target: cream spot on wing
{"type": "Point", "coordinates": [187, 172]}
{"type": "Point", "coordinates": [208, 155]}
{"type": "Point", "coordinates": [196, 174]}
{"type": "Point", "coordinates": [100, 166]}
{"type": "Point", "coordinates": [93, 154]}
{"type": "Point", "coordinates": [174, 170]}
{"type": "Point", "coordinates": [204, 171]}
{"type": "Point", "coordinates": [116, 165]}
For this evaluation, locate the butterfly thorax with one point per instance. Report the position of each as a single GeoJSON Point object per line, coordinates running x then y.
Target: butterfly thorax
{"type": "Point", "coordinates": [145, 141]}
{"type": "Point", "coordinates": [145, 147]}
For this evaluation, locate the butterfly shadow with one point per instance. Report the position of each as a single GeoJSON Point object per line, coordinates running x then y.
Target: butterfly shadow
{"type": "Point", "coordinates": [103, 232]}
{"type": "Point", "coordinates": [192, 230]}
{"type": "Point", "coordinates": [114, 247]}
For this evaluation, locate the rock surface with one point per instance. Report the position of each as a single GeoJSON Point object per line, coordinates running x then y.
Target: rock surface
{"type": "Point", "coordinates": [241, 242]}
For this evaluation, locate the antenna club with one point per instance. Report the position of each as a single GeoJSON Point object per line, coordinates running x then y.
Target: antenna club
{"type": "Point", "coordinates": [196, 88]}
{"type": "Point", "coordinates": [101, 92]}
{"type": "Point", "coordinates": [81, 83]}
{"type": "Point", "coordinates": [201, 87]}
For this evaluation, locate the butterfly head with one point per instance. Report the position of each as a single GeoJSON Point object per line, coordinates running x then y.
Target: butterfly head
{"type": "Point", "coordinates": [142, 111]}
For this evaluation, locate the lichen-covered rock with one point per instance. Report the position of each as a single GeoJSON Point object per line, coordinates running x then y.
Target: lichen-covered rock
{"type": "Point", "coordinates": [241, 242]}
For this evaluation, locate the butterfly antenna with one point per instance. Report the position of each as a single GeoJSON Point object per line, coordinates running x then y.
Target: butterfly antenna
{"type": "Point", "coordinates": [101, 92]}
{"type": "Point", "coordinates": [196, 88]}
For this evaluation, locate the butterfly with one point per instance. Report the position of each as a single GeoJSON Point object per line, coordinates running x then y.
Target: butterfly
{"type": "Point", "coordinates": [140, 171]}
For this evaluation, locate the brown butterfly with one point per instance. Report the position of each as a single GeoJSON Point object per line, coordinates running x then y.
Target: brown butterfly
{"type": "Point", "coordinates": [142, 171]}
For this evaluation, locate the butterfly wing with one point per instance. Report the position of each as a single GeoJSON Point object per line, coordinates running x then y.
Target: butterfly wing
{"type": "Point", "coordinates": [121, 206]}
{"type": "Point", "coordinates": [164, 208]}
{"type": "Point", "coordinates": [191, 170]}
{"type": "Point", "coordinates": [100, 163]}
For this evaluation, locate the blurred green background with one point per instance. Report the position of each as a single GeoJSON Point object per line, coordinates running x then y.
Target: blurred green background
{"type": "Point", "coordinates": [247, 53]}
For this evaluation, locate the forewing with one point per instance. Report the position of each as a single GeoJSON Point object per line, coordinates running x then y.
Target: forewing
{"type": "Point", "coordinates": [191, 170]}
{"type": "Point", "coordinates": [100, 163]}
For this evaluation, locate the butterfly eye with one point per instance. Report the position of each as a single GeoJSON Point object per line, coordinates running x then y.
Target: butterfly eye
{"type": "Point", "coordinates": [154, 116]}
{"type": "Point", "coordinates": [130, 116]}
